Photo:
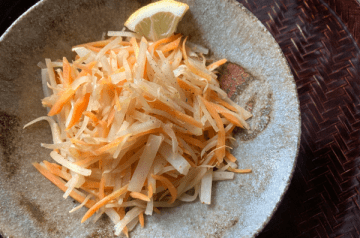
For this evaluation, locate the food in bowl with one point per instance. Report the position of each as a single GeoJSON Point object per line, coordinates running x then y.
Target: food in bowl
{"type": "Point", "coordinates": [139, 121]}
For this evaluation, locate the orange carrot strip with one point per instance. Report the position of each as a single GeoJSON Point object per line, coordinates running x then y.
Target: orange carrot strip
{"type": "Point", "coordinates": [198, 72]}
{"type": "Point", "coordinates": [216, 64]}
{"type": "Point", "coordinates": [230, 157]}
{"type": "Point", "coordinates": [104, 201]}
{"type": "Point", "coordinates": [52, 165]}
{"type": "Point", "coordinates": [79, 107]}
{"type": "Point", "coordinates": [89, 160]}
{"type": "Point", "coordinates": [91, 184]}
{"type": "Point", "coordinates": [116, 51]}
{"type": "Point", "coordinates": [92, 116]}
{"type": "Point", "coordinates": [102, 187]}
{"type": "Point", "coordinates": [55, 180]}
{"type": "Point", "coordinates": [86, 68]}
{"type": "Point", "coordinates": [77, 141]}
{"type": "Point", "coordinates": [66, 73]}
{"type": "Point", "coordinates": [191, 67]}
{"type": "Point", "coordinates": [171, 46]}
{"type": "Point", "coordinates": [217, 99]}
{"type": "Point", "coordinates": [119, 70]}
{"type": "Point", "coordinates": [111, 145]}
{"type": "Point", "coordinates": [191, 140]}
{"type": "Point", "coordinates": [179, 115]}
{"type": "Point", "coordinates": [100, 43]}
{"type": "Point", "coordinates": [56, 170]}
{"type": "Point", "coordinates": [150, 191]}
{"type": "Point", "coordinates": [166, 182]}
{"type": "Point", "coordinates": [92, 48]}
{"type": "Point", "coordinates": [152, 48]}
{"type": "Point", "coordinates": [188, 87]}
{"type": "Point", "coordinates": [240, 171]}
{"type": "Point", "coordinates": [220, 152]}
{"type": "Point", "coordinates": [59, 104]}
{"type": "Point", "coordinates": [151, 131]}
{"type": "Point", "coordinates": [156, 210]}
{"type": "Point", "coordinates": [140, 196]}
{"type": "Point", "coordinates": [141, 219]}
{"type": "Point", "coordinates": [227, 115]}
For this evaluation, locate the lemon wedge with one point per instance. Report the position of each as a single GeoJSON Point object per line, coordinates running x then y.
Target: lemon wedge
{"type": "Point", "coordinates": [157, 20]}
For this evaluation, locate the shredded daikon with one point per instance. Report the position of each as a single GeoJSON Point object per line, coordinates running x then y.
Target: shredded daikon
{"type": "Point", "coordinates": [137, 124]}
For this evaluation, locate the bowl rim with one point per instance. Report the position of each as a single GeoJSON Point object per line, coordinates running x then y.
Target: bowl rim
{"type": "Point", "coordinates": [6, 32]}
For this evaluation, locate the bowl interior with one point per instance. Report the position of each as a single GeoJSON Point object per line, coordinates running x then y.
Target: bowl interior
{"type": "Point", "coordinates": [33, 207]}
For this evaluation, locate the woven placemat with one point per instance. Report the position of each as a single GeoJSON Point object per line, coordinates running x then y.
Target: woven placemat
{"type": "Point", "coordinates": [317, 40]}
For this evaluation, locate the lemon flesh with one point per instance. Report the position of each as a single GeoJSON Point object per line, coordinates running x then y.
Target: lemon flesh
{"type": "Point", "coordinates": [157, 20]}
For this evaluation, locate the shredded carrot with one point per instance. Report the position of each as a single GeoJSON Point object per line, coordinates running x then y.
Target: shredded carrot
{"type": "Point", "coordinates": [79, 108]}
{"type": "Point", "coordinates": [220, 152]}
{"type": "Point", "coordinates": [66, 73]}
{"type": "Point", "coordinates": [217, 99]}
{"type": "Point", "coordinates": [171, 46]}
{"type": "Point", "coordinates": [104, 201]}
{"type": "Point", "coordinates": [102, 188]}
{"type": "Point", "coordinates": [64, 98]}
{"type": "Point", "coordinates": [162, 106]}
{"type": "Point", "coordinates": [109, 146]}
{"type": "Point", "coordinates": [141, 219]}
{"type": "Point", "coordinates": [92, 116]}
{"type": "Point", "coordinates": [166, 182]}
{"type": "Point", "coordinates": [191, 67]}
{"type": "Point", "coordinates": [240, 171]}
{"type": "Point", "coordinates": [140, 196]}
{"type": "Point", "coordinates": [56, 170]}
{"type": "Point", "coordinates": [152, 48]}
{"type": "Point", "coordinates": [227, 115]}
{"type": "Point", "coordinates": [55, 180]}
{"type": "Point", "coordinates": [85, 68]}
{"type": "Point", "coordinates": [100, 43]}
{"type": "Point", "coordinates": [91, 184]}
{"type": "Point", "coordinates": [150, 191]}
{"type": "Point", "coordinates": [216, 64]}
{"type": "Point", "coordinates": [188, 87]}
{"type": "Point", "coordinates": [156, 210]}
{"type": "Point", "coordinates": [230, 157]}
{"type": "Point", "coordinates": [190, 140]}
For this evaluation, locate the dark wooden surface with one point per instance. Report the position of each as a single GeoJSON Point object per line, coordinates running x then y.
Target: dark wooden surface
{"type": "Point", "coordinates": [320, 40]}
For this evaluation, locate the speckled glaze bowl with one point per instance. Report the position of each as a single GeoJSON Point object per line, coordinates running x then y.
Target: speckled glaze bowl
{"type": "Point", "coordinates": [30, 206]}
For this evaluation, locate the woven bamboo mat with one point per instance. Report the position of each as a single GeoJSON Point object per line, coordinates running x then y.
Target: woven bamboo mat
{"type": "Point", "coordinates": [319, 40]}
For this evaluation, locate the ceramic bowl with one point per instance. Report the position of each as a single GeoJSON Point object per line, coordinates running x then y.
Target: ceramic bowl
{"type": "Point", "coordinates": [33, 207]}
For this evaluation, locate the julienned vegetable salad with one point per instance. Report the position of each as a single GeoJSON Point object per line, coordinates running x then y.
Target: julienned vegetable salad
{"type": "Point", "coordinates": [138, 125]}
